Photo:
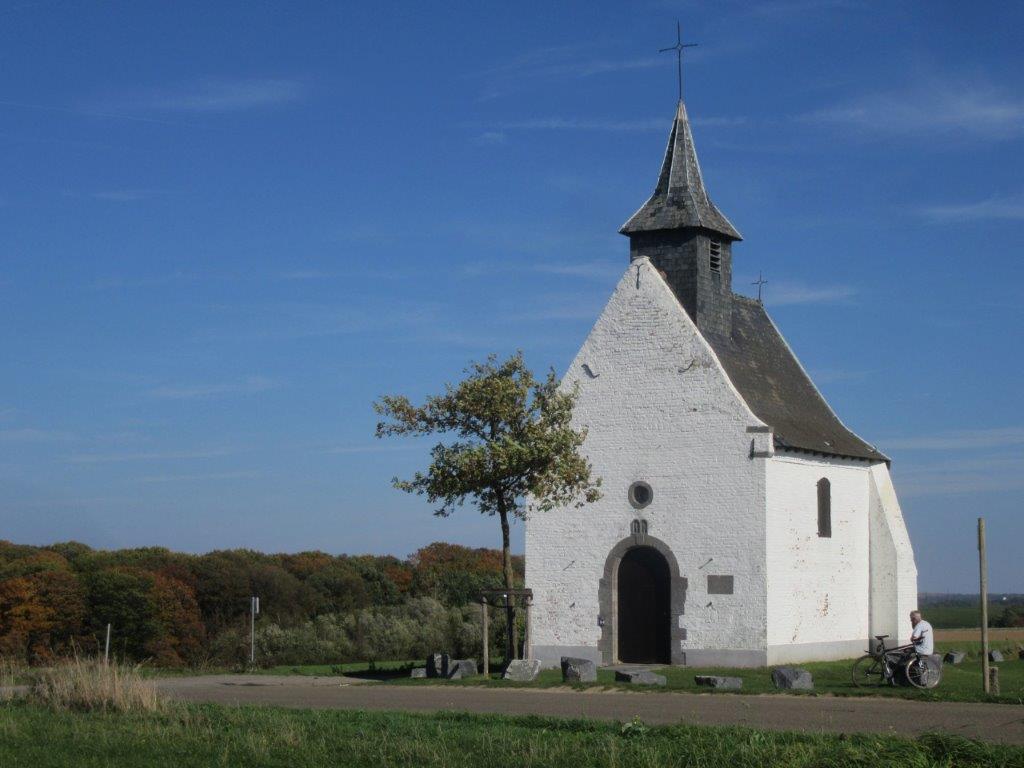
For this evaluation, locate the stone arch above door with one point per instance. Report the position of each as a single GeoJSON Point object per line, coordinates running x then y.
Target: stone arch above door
{"type": "Point", "coordinates": [607, 596]}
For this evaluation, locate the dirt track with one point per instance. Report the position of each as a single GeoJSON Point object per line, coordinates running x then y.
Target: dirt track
{"type": "Point", "coordinates": [1002, 723]}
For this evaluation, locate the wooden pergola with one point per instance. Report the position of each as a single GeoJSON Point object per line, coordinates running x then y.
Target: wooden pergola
{"type": "Point", "coordinates": [505, 598]}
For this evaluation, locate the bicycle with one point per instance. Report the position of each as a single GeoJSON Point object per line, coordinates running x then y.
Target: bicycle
{"type": "Point", "coordinates": [891, 666]}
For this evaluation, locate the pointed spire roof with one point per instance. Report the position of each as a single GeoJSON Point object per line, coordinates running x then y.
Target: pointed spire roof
{"type": "Point", "coordinates": [680, 199]}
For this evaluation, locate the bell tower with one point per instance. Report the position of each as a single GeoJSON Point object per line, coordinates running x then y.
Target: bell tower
{"type": "Point", "coordinates": [685, 236]}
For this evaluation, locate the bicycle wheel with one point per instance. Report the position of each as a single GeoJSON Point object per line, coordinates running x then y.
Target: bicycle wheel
{"type": "Point", "coordinates": [867, 672]}
{"type": "Point", "coordinates": [921, 672]}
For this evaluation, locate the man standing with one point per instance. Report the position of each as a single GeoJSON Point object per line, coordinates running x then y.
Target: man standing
{"type": "Point", "coordinates": [922, 637]}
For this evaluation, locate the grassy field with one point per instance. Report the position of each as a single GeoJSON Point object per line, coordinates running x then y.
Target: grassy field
{"type": "Point", "coordinates": [258, 736]}
{"type": "Point", "coordinates": [959, 683]}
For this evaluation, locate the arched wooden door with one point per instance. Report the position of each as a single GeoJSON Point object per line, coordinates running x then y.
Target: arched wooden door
{"type": "Point", "coordinates": [644, 607]}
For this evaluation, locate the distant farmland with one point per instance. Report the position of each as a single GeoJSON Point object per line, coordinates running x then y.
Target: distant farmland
{"type": "Point", "coordinates": [953, 611]}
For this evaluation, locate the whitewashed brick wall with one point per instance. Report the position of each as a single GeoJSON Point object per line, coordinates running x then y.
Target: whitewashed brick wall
{"type": "Point", "coordinates": [893, 571]}
{"type": "Point", "coordinates": [658, 408]}
{"type": "Point", "coordinates": [818, 587]}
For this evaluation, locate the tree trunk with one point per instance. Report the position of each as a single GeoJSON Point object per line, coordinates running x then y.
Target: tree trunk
{"type": "Point", "coordinates": [506, 567]}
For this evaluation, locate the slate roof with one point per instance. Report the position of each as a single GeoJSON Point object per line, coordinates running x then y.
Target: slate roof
{"type": "Point", "coordinates": [680, 199]}
{"type": "Point", "coordinates": [778, 390]}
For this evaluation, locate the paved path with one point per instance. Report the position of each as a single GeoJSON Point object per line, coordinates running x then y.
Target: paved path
{"type": "Point", "coordinates": [1003, 723]}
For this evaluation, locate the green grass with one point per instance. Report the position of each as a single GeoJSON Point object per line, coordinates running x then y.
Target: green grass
{"type": "Point", "coordinates": [959, 683]}
{"type": "Point", "coordinates": [384, 668]}
{"type": "Point", "coordinates": [258, 737]}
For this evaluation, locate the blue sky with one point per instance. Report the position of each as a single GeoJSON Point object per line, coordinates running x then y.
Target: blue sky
{"type": "Point", "coordinates": [228, 227]}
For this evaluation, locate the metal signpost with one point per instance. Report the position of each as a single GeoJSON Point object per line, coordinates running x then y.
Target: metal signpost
{"type": "Point", "coordinates": [254, 608]}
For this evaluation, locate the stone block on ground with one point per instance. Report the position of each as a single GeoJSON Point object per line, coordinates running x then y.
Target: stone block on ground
{"type": "Point", "coordinates": [995, 656]}
{"type": "Point", "coordinates": [522, 670]}
{"type": "Point", "coordinates": [418, 672]}
{"type": "Point", "coordinates": [792, 678]}
{"type": "Point", "coordinates": [1020, 654]}
{"type": "Point", "coordinates": [954, 657]}
{"type": "Point", "coordinates": [715, 681]}
{"type": "Point", "coordinates": [461, 668]}
{"type": "Point", "coordinates": [437, 665]}
{"type": "Point", "coordinates": [639, 677]}
{"type": "Point", "coordinates": [578, 670]}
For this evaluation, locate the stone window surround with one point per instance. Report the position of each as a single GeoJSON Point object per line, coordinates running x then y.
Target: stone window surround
{"type": "Point", "coordinates": [608, 598]}
{"type": "Point", "coordinates": [631, 493]}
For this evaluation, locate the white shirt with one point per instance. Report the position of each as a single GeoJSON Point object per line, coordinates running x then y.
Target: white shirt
{"type": "Point", "coordinates": [926, 644]}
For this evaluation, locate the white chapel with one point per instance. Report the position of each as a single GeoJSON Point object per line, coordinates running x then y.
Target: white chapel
{"type": "Point", "coordinates": [742, 523]}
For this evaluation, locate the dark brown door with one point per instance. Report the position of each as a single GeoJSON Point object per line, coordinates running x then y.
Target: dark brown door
{"type": "Point", "coordinates": [644, 601]}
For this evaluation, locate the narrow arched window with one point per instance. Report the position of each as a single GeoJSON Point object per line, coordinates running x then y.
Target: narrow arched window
{"type": "Point", "coordinates": [824, 508]}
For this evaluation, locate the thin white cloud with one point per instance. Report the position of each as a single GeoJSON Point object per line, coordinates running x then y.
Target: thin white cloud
{"type": "Point", "coordinates": [934, 108]}
{"type": "Point", "coordinates": [789, 293]}
{"type": "Point", "coordinates": [240, 475]}
{"type": "Point", "coordinates": [565, 61]}
{"type": "Point", "coordinates": [121, 282]}
{"type": "Point", "coordinates": [222, 95]}
{"type": "Point", "coordinates": [247, 386]}
{"type": "Point", "coordinates": [592, 270]}
{"type": "Point", "coordinates": [646, 125]}
{"type": "Point", "coordinates": [959, 440]}
{"type": "Point", "coordinates": [991, 475]}
{"type": "Point", "coordinates": [126, 195]}
{"type": "Point", "coordinates": [370, 448]}
{"type": "Point", "coordinates": [30, 435]}
{"type": "Point", "coordinates": [993, 209]}
{"type": "Point", "coordinates": [108, 458]}
{"type": "Point", "coordinates": [304, 274]}
{"type": "Point", "coordinates": [490, 138]}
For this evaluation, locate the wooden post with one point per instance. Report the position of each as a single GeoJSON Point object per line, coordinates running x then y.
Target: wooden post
{"type": "Point", "coordinates": [527, 639]}
{"type": "Point", "coordinates": [993, 680]}
{"type": "Point", "coordinates": [487, 661]}
{"type": "Point", "coordinates": [106, 647]}
{"type": "Point", "coordinates": [983, 566]}
{"type": "Point", "coordinates": [510, 630]}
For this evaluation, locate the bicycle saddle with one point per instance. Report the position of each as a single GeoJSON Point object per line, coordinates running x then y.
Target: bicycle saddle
{"type": "Point", "coordinates": [880, 637]}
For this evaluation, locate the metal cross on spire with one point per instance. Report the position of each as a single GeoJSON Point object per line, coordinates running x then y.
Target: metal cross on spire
{"type": "Point", "coordinates": [679, 47]}
{"type": "Point", "coordinates": [760, 283]}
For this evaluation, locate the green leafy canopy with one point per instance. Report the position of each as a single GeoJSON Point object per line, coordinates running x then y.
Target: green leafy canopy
{"type": "Point", "coordinates": [513, 447]}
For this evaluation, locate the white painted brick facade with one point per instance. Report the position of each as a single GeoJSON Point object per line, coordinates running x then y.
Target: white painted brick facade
{"type": "Point", "coordinates": [659, 407]}
{"type": "Point", "coordinates": [818, 587]}
{"type": "Point", "coordinates": [662, 410]}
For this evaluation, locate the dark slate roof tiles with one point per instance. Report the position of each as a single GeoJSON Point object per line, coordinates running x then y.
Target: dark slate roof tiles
{"type": "Point", "coordinates": [778, 390]}
{"type": "Point", "coordinates": [680, 199]}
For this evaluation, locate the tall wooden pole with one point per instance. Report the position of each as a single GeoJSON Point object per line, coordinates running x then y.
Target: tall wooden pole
{"type": "Point", "coordinates": [487, 660]}
{"type": "Point", "coordinates": [510, 630]}
{"type": "Point", "coordinates": [983, 565]}
{"type": "Point", "coordinates": [527, 639]}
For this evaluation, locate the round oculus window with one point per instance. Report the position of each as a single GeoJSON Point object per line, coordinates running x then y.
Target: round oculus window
{"type": "Point", "coordinates": [640, 494]}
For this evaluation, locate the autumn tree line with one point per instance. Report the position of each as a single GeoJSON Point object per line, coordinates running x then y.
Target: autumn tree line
{"type": "Point", "coordinates": [175, 609]}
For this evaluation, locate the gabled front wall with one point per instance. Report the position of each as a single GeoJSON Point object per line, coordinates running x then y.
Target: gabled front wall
{"type": "Point", "coordinates": [818, 587]}
{"type": "Point", "coordinates": [659, 408]}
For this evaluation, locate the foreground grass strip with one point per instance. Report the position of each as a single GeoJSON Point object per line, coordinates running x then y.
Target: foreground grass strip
{"type": "Point", "coordinates": [239, 736]}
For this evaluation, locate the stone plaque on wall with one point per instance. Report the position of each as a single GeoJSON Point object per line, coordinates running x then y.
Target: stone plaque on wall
{"type": "Point", "coordinates": [719, 585]}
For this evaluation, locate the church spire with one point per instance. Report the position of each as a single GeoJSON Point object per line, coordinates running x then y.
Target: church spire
{"type": "Point", "coordinates": [680, 200]}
